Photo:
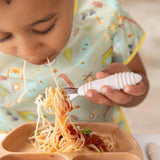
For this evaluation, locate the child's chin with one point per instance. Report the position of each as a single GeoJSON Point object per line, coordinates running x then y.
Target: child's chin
{"type": "Point", "coordinates": [39, 63]}
{"type": "Point", "coordinates": [42, 62]}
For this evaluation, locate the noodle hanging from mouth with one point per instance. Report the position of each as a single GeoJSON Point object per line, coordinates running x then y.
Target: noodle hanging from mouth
{"type": "Point", "coordinates": [64, 136]}
{"type": "Point", "coordinates": [25, 84]}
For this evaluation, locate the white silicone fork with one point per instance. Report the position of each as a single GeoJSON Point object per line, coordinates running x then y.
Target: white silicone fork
{"type": "Point", "coordinates": [116, 81]}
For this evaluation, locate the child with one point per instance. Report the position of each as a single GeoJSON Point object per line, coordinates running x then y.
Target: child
{"type": "Point", "coordinates": [84, 40]}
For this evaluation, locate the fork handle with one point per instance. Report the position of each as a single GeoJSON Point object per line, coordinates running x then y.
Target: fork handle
{"type": "Point", "coordinates": [116, 81]}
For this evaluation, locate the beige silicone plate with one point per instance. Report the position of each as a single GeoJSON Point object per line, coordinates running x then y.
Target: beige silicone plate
{"type": "Point", "coordinates": [16, 145]}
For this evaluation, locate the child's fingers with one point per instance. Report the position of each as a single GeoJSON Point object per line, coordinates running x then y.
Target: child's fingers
{"type": "Point", "coordinates": [116, 96]}
{"type": "Point", "coordinates": [98, 98]}
{"type": "Point", "coordinates": [136, 90]}
{"type": "Point", "coordinates": [100, 75]}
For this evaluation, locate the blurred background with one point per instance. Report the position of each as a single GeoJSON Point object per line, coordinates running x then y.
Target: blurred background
{"type": "Point", "coordinates": [145, 118]}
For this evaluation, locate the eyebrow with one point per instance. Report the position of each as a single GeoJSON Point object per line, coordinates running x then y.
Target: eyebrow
{"type": "Point", "coordinates": [44, 19]}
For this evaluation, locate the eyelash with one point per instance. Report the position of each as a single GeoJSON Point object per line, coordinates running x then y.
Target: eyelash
{"type": "Point", "coordinates": [46, 31]}
{"type": "Point", "coordinates": [37, 32]}
{"type": "Point", "coordinates": [7, 38]}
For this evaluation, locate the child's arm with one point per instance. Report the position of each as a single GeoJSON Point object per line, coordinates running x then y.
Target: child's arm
{"type": "Point", "coordinates": [131, 95]}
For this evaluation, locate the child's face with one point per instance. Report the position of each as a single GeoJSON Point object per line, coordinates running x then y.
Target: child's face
{"type": "Point", "coordinates": [35, 29]}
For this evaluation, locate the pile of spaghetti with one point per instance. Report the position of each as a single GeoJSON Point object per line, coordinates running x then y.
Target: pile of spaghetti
{"type": "Point", "coordinates": [64, 136]}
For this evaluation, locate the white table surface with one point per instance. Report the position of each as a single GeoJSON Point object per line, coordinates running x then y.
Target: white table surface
{"type": "Point", "coordinates": [142, 139]}
{"type": "Point", "coordinates": [2, 136]}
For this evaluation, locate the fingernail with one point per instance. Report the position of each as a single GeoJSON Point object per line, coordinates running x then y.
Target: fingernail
{"type": "Point", "coordinates": [104, 90]}
{"type": "Point", "coordinates": [89, 94]}
{"type": "Point", "coordinates": [126, 89]}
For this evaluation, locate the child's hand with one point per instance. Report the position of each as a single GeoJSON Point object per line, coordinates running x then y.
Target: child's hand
{"type": "Point", "coordinates": [112, 97]}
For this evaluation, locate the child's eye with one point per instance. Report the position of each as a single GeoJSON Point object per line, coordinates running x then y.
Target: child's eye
{"type": "Point", "coordinates": [5, 38]}
{"type": "Point", "coordinates": [45, 31]}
